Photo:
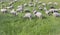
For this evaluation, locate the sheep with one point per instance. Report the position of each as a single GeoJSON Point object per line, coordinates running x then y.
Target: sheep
{"type": "Point", "coordinates": [44, 4]}
{"type": "Point", "coordinates": [56, 14]}
{"type": "Point", "coordinates": [31, 4]}
{"type": "Point", "coordinates": [20, 8]}
{"type": "Point", "coordinates": [36, 1]}
{"type": "Point", "coordinates": [40, 8]}
{"type": "Point", "coordinates": [10, 3]}
{"type": "Point", "coordinates": [47, 12]}
{"type": "Point", "coordinates": [28, 14]}
{"type": "Point", "coordinates": [15, 0]}
{"type": "Point", "coordinates": [34, 4]}
{"type": "Point", "coordinates": [37, 14]}
{"type": "Point", "coordinates": [56, 10]}
{"type": "Point", "coordinates": [25, 4]}
{"type": "Point", "coordinates": [45, 8]}
{"type": "Point", "coordinates": [13, 12]}
{"type": "Point", "coordinates": [4, 10]}
{"type": "Point", "coordinates": [55, 3]}
{"type": "Point", "coordinates": [53, 10]}
{"type": "Point", "coordinates": [10, 7]}
{"type": "Point", "coordinates": [40, 2]}
{"type": "Point", "coordinates": [49, 3]}
{"type": "Point", "coordinates": [59, 9]}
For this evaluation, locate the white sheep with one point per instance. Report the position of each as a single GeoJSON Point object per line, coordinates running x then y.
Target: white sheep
{"type": "Point", "coordinates": [10, 7]}
{"type": "Point", "coordinates": [40, 8]}
{"type": "Point", "coordinates": [49, 3]}
{"type": "Point", "coordinates": [37, 14]}
{"type": "Point", "coordinates": [47, 12]}
{"type": "Point", "coordinates": [27, 15]}
{"type": "Point", "coordinates": [55, 3]}
{"type": "Point", "coordinates": [44, 4]}
{"type": "Point", "coordinates": [54, 10]}
{"type": "Point", "coordinates": [10, 3]}
{"type": "Point", "coordinates": [56, 14]}
{"type": "Point", "coordinates": [31, 4]}
{"type": "Point", "coordinates": [59, 9]}
{"type": "Point", "coordinates": [36, 1]}
{"type": "Point", "coordinates": [20, 8]}
{"type": "Point", "coordinates": [25, 4]}
{"type": "Point", "coordinates": [51, 10]}
{"type": "Point", "coordinates": [40, 2]}
{"type": "Point", "coordinates": [15, 0]}
{"type": "Point", "coordinates": [4, 10]}
{"type": "Point", "coordinates": [13, 12]}
{"type": "Point", "coordinates": [45, 8]}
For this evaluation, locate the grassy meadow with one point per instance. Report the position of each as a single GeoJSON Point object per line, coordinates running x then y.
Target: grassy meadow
{"type": "Point", "coordinates": [16, 25]}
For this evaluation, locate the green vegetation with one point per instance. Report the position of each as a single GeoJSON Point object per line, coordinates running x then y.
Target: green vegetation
{"type": "Point", "coordinates": [16, 25]}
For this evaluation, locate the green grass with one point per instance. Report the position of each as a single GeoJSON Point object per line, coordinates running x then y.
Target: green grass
{"type": "Point", "coordinates": [16, 25]}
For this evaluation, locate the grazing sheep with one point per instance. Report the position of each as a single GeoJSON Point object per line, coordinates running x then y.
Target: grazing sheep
{"type": "Point", "coordinates": [13, 12]}
{"type": "Point", "coordinates": [27, 14]}
{"type": "Point", "coordinates": [11, 3]}
{"type": "Point", "coordinates": [4, 10]}
{"type": "Point", "coordinates": [49, 3]}
{"type": "Point", "coordinates": [35, 5]}
{"type": "Point", "coordinates": [10, 7]}
{"type": "Point", "coordinates": [37, 14]}
{"type": "Point", "coordinates": [45, 8]}
{"type": "Point", "coordinates": [15, 0]}
{"type": "Point", "coordinates": [53, 10]}
{"type": "Point", "coordinates": [36, 1]}
{"type": "Point", "coordinates": [56, 10]}
{"type": "Point", "coordinates": [40, 2]}
{"type": "Point", "coordinates": [31, 4]}
{"type": "Point", "coordinates": [55, 3]}
{"type": "Point", "coordinates": [56, 14]}
{"type": "Point", "coordinates": [40, 8]}
{"type": "Point", "coordinates": [25, 4]}
{"type": "Point", "coordinates": [59, 9]}
{"type": "Point", "coordinates": [47, 12]}
{"type": "Point", "coordinates": [44, 4]}
{"type": "Point", "coordinates": [20, 8]}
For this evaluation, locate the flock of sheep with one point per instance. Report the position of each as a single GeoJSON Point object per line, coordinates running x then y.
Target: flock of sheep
{"type": "Point", "coordinates": [40, 5]}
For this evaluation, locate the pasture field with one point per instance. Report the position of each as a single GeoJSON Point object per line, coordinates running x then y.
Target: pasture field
{"type": "Point", "coordinates": [16, 25]}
